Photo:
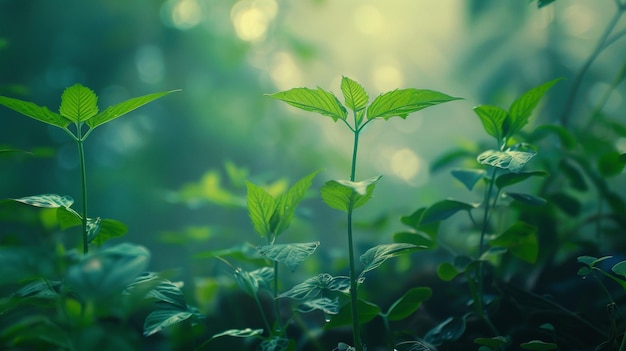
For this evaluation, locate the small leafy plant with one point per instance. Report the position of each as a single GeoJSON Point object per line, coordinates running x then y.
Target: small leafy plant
{"type": "Point", "coordinates": [348, 195]}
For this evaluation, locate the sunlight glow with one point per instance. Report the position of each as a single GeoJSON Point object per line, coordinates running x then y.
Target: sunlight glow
{"type": "Point", "coordinates": [405, 164]}
{"type": "Point", "coordinates": [387, 77]}
{"type": "Point", "coordinates": [368, 19]}
{"type": "Point", "coordinates": [181, 14]}
{"type": "Point", "coordinates": [578, 20]}
{"type": "Point", "coordinates": [251, 18]}
{"type": "Point", "coordinates": [284, 71]}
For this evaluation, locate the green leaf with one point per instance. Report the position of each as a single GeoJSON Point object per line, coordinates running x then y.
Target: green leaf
{"type": "Point", "coordinates": [239, 333]}
{"type": "Point", "coordinates": [449, 330]}
{"type": "Point", "coordinates": [292, 255]}
{"type": "Point", "coordinates": [520, 109]}
{"type": "Point", "coordinates": [565, 136]}
{"type": "Point", "coordinates": [29, 109]}
{"type": "Point", "coordinates": [47, 201]}
{"type": "Point", "coordinates": [620, 268]}
{"type": "Point", "coordinates": [408, 303]}
{"type": "Point", "coordinates": [164, 318]}
{"type": "Point", "coordinates": [345, 195]}
{"type": "Point", "coordinates": [493, 343]}
{"type": "Point", "coordinates": [261, 208]}
{"type": "Point", "coordinates": [313, 287]}
{"type": "Point", "coordinates": [118, 110]}
{"type": "Point", "coordinates": [508, 179]}
{"type": "Point", "coordinates": [36, 329]}
{"type": "Point", "coordinates": [167, 291]}
{"type": "Point", "coordinates": [78, 103]}
{"type": "Point", "coordinates": [592, 261]}
{"type": "Point", "coordinates": [538, 345]}
{"type": "Point", "coordinates": [610, 164]}
{"type": "Point", "coordinates": [521, 240]}
{"type": "Point", "coordinates": [324, 304]}
{"type": "Point", "coordinates": [418, 238]}
{"type": "Point", "coordinates": [513, 161]}
{"type": "Point", "coordinates": [320, 101]}
{"type": "Point", "coordinates": [250, 282]}
{"type": "Point", "coordinates": [567, 203]}
{"type": "Point", "coordinates": [469, 177]}
{"type": "Point", "coordinates": [375, 256]}
{"type": "Point", "coordinates": [447, 271]}
{"type": "Point", "coordinates": [542, 3]}
{"type": "Point", "coordinates": [353, 93]}
{"type": "Point", "coordinates": [109, 229]}
{"type": "Point", "coordinates": [527, 199]}
{"type": "Point", "coordinates": [405, 101]}
{"type": "Point", "coordinates": [493, 118]}
{"type": "Point", "coordinates": [444, 209]}
{"type": "Point", "coordinates": [287, 203]}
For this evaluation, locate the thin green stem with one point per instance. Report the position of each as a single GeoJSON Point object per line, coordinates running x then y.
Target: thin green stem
{"type": "Point", "coordinates": [276, 304]}
{"type": "Point", "coordinates": [600, 46]}
{"type": "Point", "coordinates": [260, 307]}
{"type": "Point", "coordinates": [83, 178]}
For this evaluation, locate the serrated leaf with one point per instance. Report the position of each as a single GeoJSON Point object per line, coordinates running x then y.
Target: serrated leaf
{"type": "Point", "coordinates": [78, 103]}
{"type": "Point", "coordinates": [538, 345]}
{"type": "Point", "coordinates": [319, 100]}
{"type": "Point", "coordinates": [521, 108]}
{"type": "Point", "coordinates": [444, 209]}
{"type": "Point", "coordinates": [447, 271]}
{"type": "Point", "coordinates": [513, 161]}
{"type": "Point", "coordinates": [292, 255]}
{"type": "Point", "coordinates": [345, 195]}
{"type": "Point", "coordinates": [29, 109]}
{"type": "Point", "coordinates": [47, 201]}
{"type": "Point", "coordinates": [469, 177]}
{"type": "Point", "coordinates": [313, 287]}
{"type": "Point", "coordinates": [508, 179]}
{"type": "Point", "coordinates": [405, 101]}
{"type": "Point", "coordinates": [261, 208]}
{"type": "Point", "coordinates": [164, 318]}
{"type": "Point", "coordinates": [521, 241]}
{"type": "Point", "coordinates": [354, 95]}
{"type": "Point", "coordinates": [378, 254]}
{"type": "Point", "coordinates": [287, 203]}
{"type": "Point", "coordinates": [527, 199]}
{"type": "Point", "coordinates": [408, 303]}
{"type": "Point", "coordinates": [118, 110]}
{"type": "Point", "coordinates": [492, 118]}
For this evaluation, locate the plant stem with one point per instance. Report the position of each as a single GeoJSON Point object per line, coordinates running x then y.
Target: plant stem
{"type": "Point", "coordinates": [356, 328]}
{"type": "Point", "coordinates": [276, 305]}
{"type": "Point", "coordinates": [600, 46]}
{"type": "Point", "coordinates": [83, 178]}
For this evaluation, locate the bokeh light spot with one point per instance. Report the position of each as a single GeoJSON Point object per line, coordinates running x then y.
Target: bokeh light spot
{"type": "Point", "coordinates": [252, 18]}
{"type": "Point", "coordinates": [150, 65]}
{"type": "Point", "coordinates": [405, 164]}
{"type": "Point", "coordinates": [368, 20]}
{"type": "Point", "coordinates": [387, 77]}
{"type": "Point", "coordinates": [181, 14]}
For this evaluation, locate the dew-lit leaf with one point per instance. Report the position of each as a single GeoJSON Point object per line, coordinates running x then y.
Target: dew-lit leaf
{"type": "Point", "coordinates": [287, 203]}
{"type": "Point", "coordinates": [513, 161]}
{"type": "Point", "coordinates": [292, 255]}
{"type": "Point", "coordinates": [47, 201]}
{"type": "Point", "coordinates": [377, 255]}
{"type": "Point", "coordinates": [324, 304]}
{"type": "Point", "coordinates": [313, 287]}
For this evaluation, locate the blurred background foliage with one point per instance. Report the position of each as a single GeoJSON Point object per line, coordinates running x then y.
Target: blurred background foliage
{"type": "Point", "coordinates": [174, 171]}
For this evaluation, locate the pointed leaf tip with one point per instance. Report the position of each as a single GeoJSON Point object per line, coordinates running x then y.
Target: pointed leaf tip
{"type": "Point", "coordinates": [319, 100]}
{"type": "Point", "coordinates": [403, 102]}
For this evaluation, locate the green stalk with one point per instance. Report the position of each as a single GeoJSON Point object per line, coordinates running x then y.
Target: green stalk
{"type": "Point", "coordinates": [83, 178]}
{"type": "Point", "coordinates": [276, 305]}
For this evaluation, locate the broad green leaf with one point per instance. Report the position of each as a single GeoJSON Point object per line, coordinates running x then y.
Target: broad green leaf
{"type": "Point", "coordinates": [78, 103]}
{"type": "Point", "coordinates": [118, 110]}
{"type": "Point", "coordinates": [444, 209]}
{"type": "Point", "coordinates": [493, 252]}
{"type": "Point", "coordinates": [287, 203]}
{"type": "Point", "coordinates": [367, 312]}
{"type": "Point", "coordinates": [169, 292]}
{"type": "Point", "coordinates": [313, 287]}
{"type": "Point", "coordinates": [417, 238]}
{"type": "Point", "coordinates": [610, 164]}
{"type": "Point", "coordinates": [68, 218]}
{"type": "Point", "coordinates": [527, 199]}
{"type": "Point", "coordinates": [408, 303]}
{"type": "Point", "coordinates": [508, 179]}
{"type": "Point", "coordinates": [447, 271]}
{"type": "Point", "coordinates": [292, 255]}
{"type": "Point", "coordinates": [324, 304]}
{"type": "Point", "coordinates": [513, 161]}
{"type": "Point", "coordinates": [47, 201]}
{"type": "Point", "coordinates": [345, 195]}
{"type": "Point", "coordinates": [405, 101]}
{"type": "Point", "coordinates": [521, 108]}
{"type": "Point", "coordinates": [261, 208]}
{"type": "Point", "coordinates": [320, 101]}
{"type": "Point", "coordinates": [163, 318]}
{"type": "Point", "coordinates": [353, 93]}
{"type": "Point", "coordinates": [378, 254]}
{"type": "Point", "coordinates": [101, 274]}
{"type": "Point", "coordinates": [493, 343]}
{"type": "Point", "coordinates": [538, 345]}
{"type": "Point", "coordinates": [493, 118]}
{"type": "Point", "coordinates": [108, 229]}
{"type": "Point", "coordinates": [469, 177]}
{"type": "Point", "coordinates": [521, 240]}
{"type": "Point", "coordinates": [414, 220]}
{"type": "Point", "coordinates": [250, 282]}
{"type": "Point", "coordinates": [620, 268]}
{"type": "Point", "coordinates": [29, 109]}
{"type": "Point", "coordinates": [449, 330]}
{"type": "Point", "coordinates": [592, 261]}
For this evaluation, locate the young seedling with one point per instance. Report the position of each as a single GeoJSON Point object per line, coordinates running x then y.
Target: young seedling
{"type": "Point", "coordinates": [348, 195]}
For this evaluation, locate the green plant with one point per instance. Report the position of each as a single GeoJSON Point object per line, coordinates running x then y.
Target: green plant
{"type": "Point", "coordinates": [348, 195]}
{"type": "Point", "coordinates": [66, 300]}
